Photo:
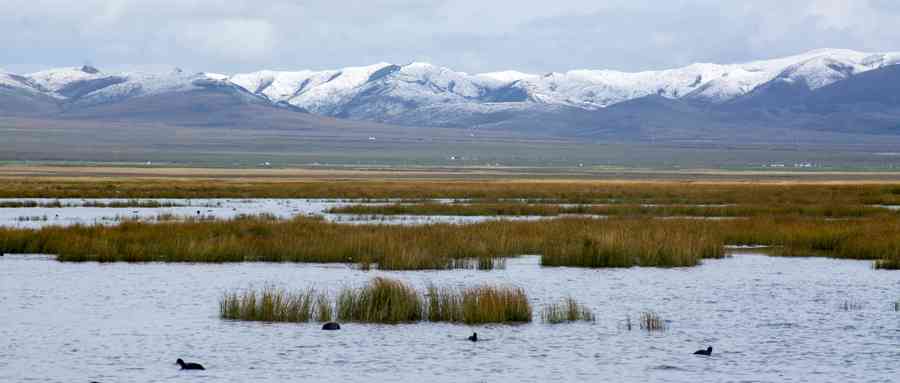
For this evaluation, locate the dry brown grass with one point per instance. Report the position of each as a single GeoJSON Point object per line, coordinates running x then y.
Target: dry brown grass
{"type": "Point", "coordinates": [619, 242]}
{"type": "Point", "coordinates": [655, 192]}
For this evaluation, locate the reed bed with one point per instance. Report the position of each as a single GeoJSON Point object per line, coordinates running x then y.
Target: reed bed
{"type": "Point", "coordinates": [381, 301]}
{"type": "Point", "coordinates": [275, 305]}
{"type": "Point", "coordinates": [582, 242]}
{"type": "Point", "coordinates": [633, 243]}
{"type": "Point", "coordinates": [651, 321]}
{"type": "Point", "coordinates": [638, 192]}
{"type": "Point", "coordinates": [569, 310]}
{"type": "Point", "coordinates": [478, 305]}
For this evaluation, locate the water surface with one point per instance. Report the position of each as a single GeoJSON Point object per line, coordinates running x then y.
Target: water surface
{"type": "Point", "coordinates": [769, 320]}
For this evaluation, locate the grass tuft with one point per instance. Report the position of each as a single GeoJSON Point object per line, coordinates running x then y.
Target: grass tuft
{"type": "Point", "coordinates": [478, 305]}
{"type": "Point", "coordinates": [569, 310]}
{"type": "Point", "coordinates": [381, 301]}
{"type": "Point", "coordinates": [651, 321]}
{"type": "Point", "coordinates": [850, 305]}
{"type": "Point", "coordinates": [275, 305]}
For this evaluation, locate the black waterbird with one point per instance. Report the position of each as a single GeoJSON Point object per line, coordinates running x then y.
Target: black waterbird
{"type": "Point", "coordinates": [188, 366]}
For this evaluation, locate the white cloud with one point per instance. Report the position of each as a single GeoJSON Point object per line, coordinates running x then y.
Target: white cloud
{"type": "Point", "coordinates": [468, 35]}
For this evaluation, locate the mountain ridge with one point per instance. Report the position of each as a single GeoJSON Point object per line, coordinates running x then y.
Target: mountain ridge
{"type": "Point", "coordinates": [722, 96]}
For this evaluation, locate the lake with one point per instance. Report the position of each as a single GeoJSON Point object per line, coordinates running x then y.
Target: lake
{"type": "Point", "coordinates": [769, 319]}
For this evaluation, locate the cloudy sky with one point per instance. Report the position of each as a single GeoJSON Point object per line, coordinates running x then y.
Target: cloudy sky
{"type": "Point", "coordinates": [468, 35]}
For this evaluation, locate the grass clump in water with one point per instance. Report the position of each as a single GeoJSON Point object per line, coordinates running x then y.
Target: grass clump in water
{"type": "Point", "coordinates": [569, 310]}
{"type": "Point", "coordinates": [478, 305]}
{"type": "Point", "coordinates": [651, 321]}
{"type": "Point", "coordinates": [275, 305]}
{"type": "Point", "coordinates": [850, 305]}
{"type": "Point", "coordinates": [381, 301]}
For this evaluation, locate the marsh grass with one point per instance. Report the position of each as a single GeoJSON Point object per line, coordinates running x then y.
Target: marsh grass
{"type": "Point", "coordinates": [275, 305]}
{"type": "Point", "coordinates": [651, 321]}
{"type": "Point", "coordinates": [569, 310]}
{"type": "Point", "coordinates": [633, 243]}
{"type": "Point", "coordinates": [478, 305]}
{"type": "Point", "coordinates": [381, 301]}
{"type": "Point", "coordinates": [579, 242]}
{"type": "Point", "coordinates": [564, 191]}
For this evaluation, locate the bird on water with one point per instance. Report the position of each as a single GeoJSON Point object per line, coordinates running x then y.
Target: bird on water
{"type": "Point", "coordinates": [188, 366]}
{"type": "Point", "coordinates": [474, 337]}
{"type": "Point", "coordinates": [706, 352]}
{"type": "Point", "coordinates": [331, 326]}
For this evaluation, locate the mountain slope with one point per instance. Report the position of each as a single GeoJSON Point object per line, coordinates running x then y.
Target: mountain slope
{"type": "Point", "coordinates": [795, 92]}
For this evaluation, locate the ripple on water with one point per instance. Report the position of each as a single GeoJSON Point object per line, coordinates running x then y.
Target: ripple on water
{"type": "Point", "coordinates": [125, 322]}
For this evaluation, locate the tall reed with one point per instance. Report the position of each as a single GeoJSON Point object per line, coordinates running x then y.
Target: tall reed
{"type": "Point", "coordinates": [275, 305]}
{"type": "Point", "coordinates": [568, 191]}
{"type": "Point", "coordinates": [582, 242]}
{"type": "Point", "coordinates": [569, 310]}
{"type": "Point", "coordinates": [651, 321]}
{"type": "Point", "coordinates": [381, 301]}
{"type": "Point", "coordinates": [632, 243]}
{"type": "Point", "coordinates": [478, 305]}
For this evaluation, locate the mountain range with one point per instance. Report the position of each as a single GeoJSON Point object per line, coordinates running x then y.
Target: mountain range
{"type": "Point", "coordinates": [829, 94]}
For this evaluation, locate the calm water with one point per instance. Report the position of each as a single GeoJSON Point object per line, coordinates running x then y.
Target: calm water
{"type": "Point", "coordinates": [73, 213]}
{"type": "Point", "coordinates": [769, 319]}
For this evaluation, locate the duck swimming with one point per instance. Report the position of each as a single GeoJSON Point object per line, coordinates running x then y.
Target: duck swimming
{"type": "Point", "coordinates": [188, 366]}
{"type": "Point", "coordinates": [331, 326]}
{"type": "Point", "coordinates": [706, 352]}
{"type": "Point", "coordinates": [474, 337]}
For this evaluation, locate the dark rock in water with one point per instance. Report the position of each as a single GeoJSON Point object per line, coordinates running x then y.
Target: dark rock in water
{"type": "Point", "coordinates": [188, 366]}
{"type": "Point", "coordinates": [706, 352]}
{"type": "Point", "coordinates": [331, 326]}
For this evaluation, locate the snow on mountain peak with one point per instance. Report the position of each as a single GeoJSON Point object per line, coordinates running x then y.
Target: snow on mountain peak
{"type": "Point", "coordinates": [56, 79]}
{"type": "Point", "coordinates": [384, 89]}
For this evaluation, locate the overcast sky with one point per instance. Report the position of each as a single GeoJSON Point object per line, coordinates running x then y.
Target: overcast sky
{"type": "Point", "coordinates": [467, 35]}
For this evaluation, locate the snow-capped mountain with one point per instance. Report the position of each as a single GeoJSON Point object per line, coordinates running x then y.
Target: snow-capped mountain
{"type": "Point", "coordinates": [340, 92]}
{"type": "Point", "coordinates": [423, 94]}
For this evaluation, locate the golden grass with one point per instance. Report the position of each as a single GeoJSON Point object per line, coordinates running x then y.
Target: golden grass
{"type": "Point", "coordinates": [569, 310]}
{"type": "Point", "coordinates": [382, 300]}
{"type": "Point", "coordinates": [478, 305]}
{"type": "Point", "coordinates": [654, 192]}
{"type": "Point", "coordinates": [614, 242]}
{"type": "Point", "coordinates": [275, 305]}
{"type": "Point", "coordinates": [628, 243]}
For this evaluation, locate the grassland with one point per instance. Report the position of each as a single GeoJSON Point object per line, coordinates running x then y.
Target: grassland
{"type": "Point", "coordinates": [834, 219]}
{"type": "Point", "coordinates": [531, 190]}
{"type": "Point", "coordinates": [615, 242]}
